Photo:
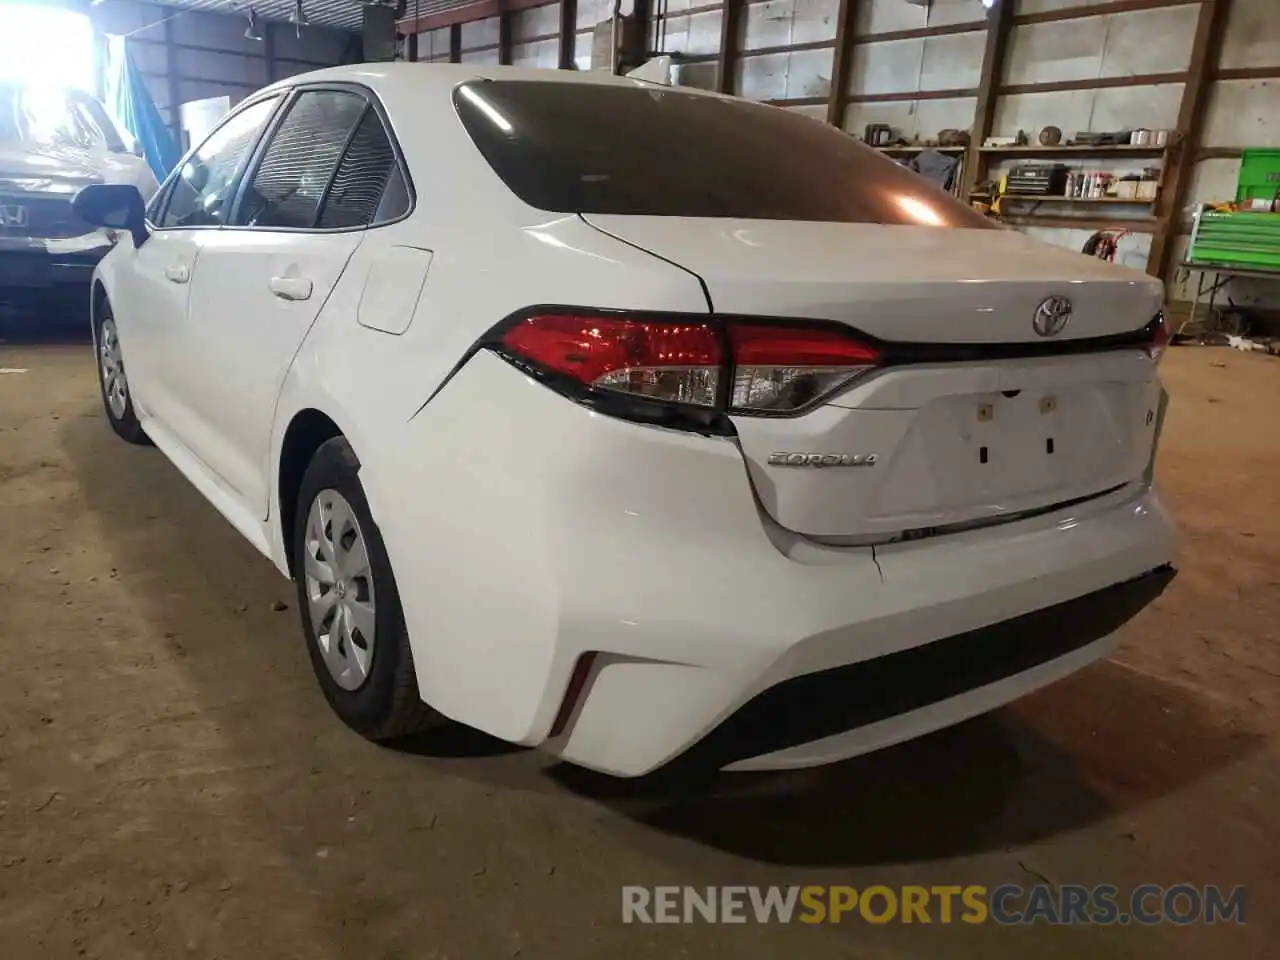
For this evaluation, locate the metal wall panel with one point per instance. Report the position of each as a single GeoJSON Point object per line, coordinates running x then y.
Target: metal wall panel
{"type": "Point", "coordinates": [1116, 45]}
{"type": "Point", "coordinates": [784, 76]}
{"type": "Point", "coordinates": [542, 53]}
{"type": "Point", "coordinates": [535, 22]}
{"type": "Point", "coordinates": [697, 33]}
{"type": "Point", "coordinates": [479, 33]}
{"type": "Point", "coordinates": [1115, 108]}
{"type": "Point", "coordinates": [591, 12]}
{"type": "Point", "coordinates": [778, 23]}
{"type": "Point", "coordinates": [884, 16]}
{"type": "Point", "coordinates": [952, 62]}
{"type": "Point", "coordinates": [1253, 34]}
{"type": "Point", "coordinates": [1244, 113]}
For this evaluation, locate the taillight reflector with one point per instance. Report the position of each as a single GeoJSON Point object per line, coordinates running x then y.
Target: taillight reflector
{"type": "Point", "coordinates": [776, 369]}
{"type": "Point", "coordinates": [1160, 337]}
{"type": "Point", "coordinates": [675, 362]}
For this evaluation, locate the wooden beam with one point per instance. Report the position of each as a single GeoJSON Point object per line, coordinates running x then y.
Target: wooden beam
{"type": "Point", "coordinates": [455, 43]}
{"type": "Point", "coordinates": [1206, 54]}
{"type": "Point", "coordinates": [1097, 10]}
{"type": "Point", "coordinates": [504, 35]}
{"type": "Point", "coordinates": [906, 95]}
{"type": "Point", "coordinates": [999, 26]}
{"type": "Point", "coordinates": [920, 33]}
{"type": "Point", "coordinates": [1094, 83]}
{"type": "Point", "coordinates": [846, 18]}
{"type": "Point", "coordinates": [568, 32]}
{"type": "Point", "coordinates": [728, 58]}
{"type": "Point", "coordinates": [171, 80]}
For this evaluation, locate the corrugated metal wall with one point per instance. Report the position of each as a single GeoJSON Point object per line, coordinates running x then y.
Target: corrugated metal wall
{"type": "Point", "coordinates": [187, 56]}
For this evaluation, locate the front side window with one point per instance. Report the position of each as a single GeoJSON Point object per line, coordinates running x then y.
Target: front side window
{"type": "Point", "coordinates": [202, 190]}
{"type": "Point", "coordinates": [300, 160]}
{"type": "Point", "coordinates": [649, 151]}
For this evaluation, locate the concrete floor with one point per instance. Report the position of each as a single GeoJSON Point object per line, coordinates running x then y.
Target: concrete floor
{"type": "Point", "coordinates": [172, 783]}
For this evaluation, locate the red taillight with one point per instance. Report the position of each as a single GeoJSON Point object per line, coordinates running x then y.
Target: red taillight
{"type": "Point", "coordinates": [675, 362]}
{"type": "Point", "coordinates": [781, 369]}
{"type": "Point", "coordinates": [1160, 337]}
{"type": "Point", "coordinates": [775, 368]}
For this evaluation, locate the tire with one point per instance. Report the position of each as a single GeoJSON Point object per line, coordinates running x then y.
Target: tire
{"type": "Point", "coordinates": [371, 685]}
{"type": "Point", "coordinates": [113, 385]}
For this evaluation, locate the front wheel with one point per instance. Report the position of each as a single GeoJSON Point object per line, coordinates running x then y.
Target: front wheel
{"type": "Point", "coordinates": [112, 381]}
{"type": "Point", "coordinates": [351, 615]}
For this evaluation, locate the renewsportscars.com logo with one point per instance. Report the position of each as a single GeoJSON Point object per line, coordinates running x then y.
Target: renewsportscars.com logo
{"type": "Point", "coordinates": [1009, 904]}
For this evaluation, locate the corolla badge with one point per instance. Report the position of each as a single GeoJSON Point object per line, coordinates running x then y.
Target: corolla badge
{"type": "Point", "coordinates": [1052, 316]}
{"type": "Point", "coordinates": [822, 459]}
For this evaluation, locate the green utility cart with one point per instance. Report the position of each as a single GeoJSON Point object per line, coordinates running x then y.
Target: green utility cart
{"type": "Point", "coordinates": [1250, 237]}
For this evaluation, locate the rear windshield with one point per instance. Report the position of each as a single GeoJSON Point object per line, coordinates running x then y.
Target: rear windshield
{"type": "Point", "coordinates": [597, 148]}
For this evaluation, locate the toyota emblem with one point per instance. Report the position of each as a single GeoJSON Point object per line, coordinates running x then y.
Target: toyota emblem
{"type": "Point", "coordinates": [1052, 316]}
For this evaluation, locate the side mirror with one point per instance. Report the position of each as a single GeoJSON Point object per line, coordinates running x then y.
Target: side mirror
{"type": "Point", "coordinates": [117, 206]}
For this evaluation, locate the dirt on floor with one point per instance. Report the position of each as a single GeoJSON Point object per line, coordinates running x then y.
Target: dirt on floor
{"type": "Point", "coordinates": [172, 783]}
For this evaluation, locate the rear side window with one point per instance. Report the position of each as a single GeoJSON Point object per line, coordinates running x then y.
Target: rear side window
{"type": "Point", "coordinates": [300, 160]}
{"type": "Point", "coordinates": [605, 148]}
{"type": "Point", "coordinates": [361, 178]}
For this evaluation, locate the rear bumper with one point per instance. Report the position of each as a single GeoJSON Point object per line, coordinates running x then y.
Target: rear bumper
{"type": "Point", "coordinates": [35, 263]}
{"type": "Point", "coordinates": [528, 531]}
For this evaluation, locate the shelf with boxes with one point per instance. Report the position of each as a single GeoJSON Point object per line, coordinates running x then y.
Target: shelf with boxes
{"type": "Point", "coordinates": [1038, 188]}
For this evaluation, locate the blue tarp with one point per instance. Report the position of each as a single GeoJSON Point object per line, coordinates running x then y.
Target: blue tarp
{"type": "Point", "coordinates": [130, 102]}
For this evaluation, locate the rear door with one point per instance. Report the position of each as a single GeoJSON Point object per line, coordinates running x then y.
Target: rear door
{"type": "Point", "coordinates": [306, 202]}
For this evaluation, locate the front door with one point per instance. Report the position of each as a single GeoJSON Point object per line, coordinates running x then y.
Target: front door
{"type": "Point", "coordinates": [158, 342]}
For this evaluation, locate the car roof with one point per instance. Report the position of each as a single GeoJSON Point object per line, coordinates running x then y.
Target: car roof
{"type": "Point", "coordinates": [402, 76]}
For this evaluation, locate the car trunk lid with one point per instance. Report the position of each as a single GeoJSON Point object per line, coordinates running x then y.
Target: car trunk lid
{"type": "Point", "coordinates": [975, 416]}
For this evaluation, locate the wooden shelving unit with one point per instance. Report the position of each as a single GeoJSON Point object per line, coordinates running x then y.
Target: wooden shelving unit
{"type": "Point", "coordinates": [900, 150]}
{"type": "Point", "coordinates": [1072, 150]}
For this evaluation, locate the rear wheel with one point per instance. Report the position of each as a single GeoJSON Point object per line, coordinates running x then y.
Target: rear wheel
{"type": "Point", "coordinates": [351, 615]}
{"type": "Point", "coordinates": [114, 384]}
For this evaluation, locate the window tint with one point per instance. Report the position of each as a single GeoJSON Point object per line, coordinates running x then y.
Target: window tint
{"type": "Point", "coordinates": [200, 193]}
{"type": "Point", "coordinates": [300, 160]}
{"type": "Point", "coordinates": [361, 179]}
{"type": "Point", "coordinates": [597, 148]}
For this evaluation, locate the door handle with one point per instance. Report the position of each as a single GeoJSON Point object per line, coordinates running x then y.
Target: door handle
{"type": "Point", "coordinates": [177, 273]}
{"type": "Point", "coordinates": [291, 288]}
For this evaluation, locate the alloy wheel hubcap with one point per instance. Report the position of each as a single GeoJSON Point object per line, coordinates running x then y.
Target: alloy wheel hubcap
{"type": "Point", "coordinates": [339, 585]}
{"type": "Point", "coordinates": [114, 383]}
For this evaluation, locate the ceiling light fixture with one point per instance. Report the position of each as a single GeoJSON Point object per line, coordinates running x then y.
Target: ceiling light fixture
{"type": "Point", "coordinates": [251, 32]}
{"type": "Point", "coordinates": [299, 18]}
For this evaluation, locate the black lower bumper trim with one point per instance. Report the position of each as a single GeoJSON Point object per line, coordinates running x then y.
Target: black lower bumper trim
{"type": "Point", "coordinates": [817, 705]}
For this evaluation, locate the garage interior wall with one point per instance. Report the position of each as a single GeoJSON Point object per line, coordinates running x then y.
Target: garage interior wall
{"type": "Point", "coordinates": [185, 56]}
{"type": "Point", "coordinates": [1081, 65]}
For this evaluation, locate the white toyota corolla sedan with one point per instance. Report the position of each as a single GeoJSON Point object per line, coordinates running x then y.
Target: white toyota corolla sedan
{"type": "Point", "coordinates": [636, 423]}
